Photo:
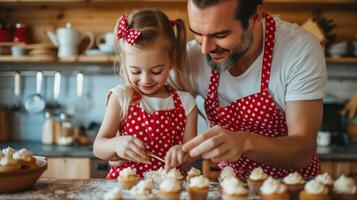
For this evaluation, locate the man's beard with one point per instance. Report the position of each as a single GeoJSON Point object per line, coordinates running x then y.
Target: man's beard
{"type": "Point", "coordinates": [238, 52]}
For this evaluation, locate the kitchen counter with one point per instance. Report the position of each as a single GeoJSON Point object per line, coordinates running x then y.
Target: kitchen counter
{"type": "Point", "coordinates": [347, 152]}
{"type": "Point", "coordinates": [64, 189]}
{"type": "Point", "coordinates": [46, 150]}
{"type": "Point", "coordinates": [93, 189]}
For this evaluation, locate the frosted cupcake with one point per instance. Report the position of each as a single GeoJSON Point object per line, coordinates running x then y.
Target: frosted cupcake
{"type": "Point", "coordinates": [233, 189]}
{"type": "Point", "coordinates": [344, 189]}
{"type": "Point", "coordinates": [9, 150]}
{"type": "Point", "coordinates": [198, 188]}
{"type": "Point", "coordinates": [326, 180]}
{"type": "Point", "coordinates": [128, 178]}
{"type": "Point", "coordinates": [225, 173]}
{"type": "Point", "coordinates": [170, 189]}
{"type": "Point", "coordinates": [273, 189]}
{"type": "Point", "coordinates": [8, 163]}
{"type": "Point", "coordinates": [256, 179]}
{"type": "Point", "coordinates": [25, 158]}
{"type": "Point", "coordinates": [114, 194]}
{"type": "Point", "coordinates": [193, 173]}
{"type": "Point", "coordinates": [143, 190]}
{"type": "Point", "coordinates": [295, 184]}
{"type": "Point", "coordinates": [174, 174]}
{"type": "Point", "coordinates": [314, 190]}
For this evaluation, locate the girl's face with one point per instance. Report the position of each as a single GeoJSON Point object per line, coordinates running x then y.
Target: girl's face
{"type": "Point", "coordinates": [148, 68]}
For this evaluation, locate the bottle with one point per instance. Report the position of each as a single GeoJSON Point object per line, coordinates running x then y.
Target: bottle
{"type": "Point", "coordinates": [67, 130]}
{"type": "Point", "coordinates": [48, 128]}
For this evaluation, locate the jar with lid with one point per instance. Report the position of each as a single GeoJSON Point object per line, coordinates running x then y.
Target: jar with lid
{"type": "Point", "coordinates": [67, 129]}
{"type": "Point", "coordinates": [49, 128]}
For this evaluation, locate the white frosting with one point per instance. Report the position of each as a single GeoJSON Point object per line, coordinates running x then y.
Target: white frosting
{"type": "Point", "coordinates": [143, 188]}
{"type": "Point", "coordinates": [315, 187]}
{"type": "Point", "coordinates": [294, 178]}
{"type": "Point", "coordinates": [170, 185]}
{"type": "Point", "coordinates": [174, 173]}
{"type": "Point", "coordinates": [258, 174]}
{"type": "Point", "coordinates": [114, 193]}
{"type": "Point", "coordinates": [232, 186]}
{"type": "Point", "coordinates": [9, 150]}
{"type": "Point", "coordinates": [345, 185]}
{"type": "Point", "coordinates": [128, 172]}
{"type": "Point", "coordinates": [199, 182]}
{"type": "Point", "coordinates": [273, 186]}
{"type": "Point", "coordinates": [23, 154]}
{"type": "Point", "coordinates": [227, 172]}
{"type": "Point", "coordinates": [194, 172]}
{"type": "Point", "coordinates": [324, 179]}
{"type": "Point", "coordinates": [7, 160]}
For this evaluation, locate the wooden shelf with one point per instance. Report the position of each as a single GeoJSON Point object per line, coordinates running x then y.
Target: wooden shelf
{"type": "Point", "coordinates": [54, 59]}
{"type": "Point", "coordinates": [111, 58]}
{"type": "Point", "coordinates": [332, 60]}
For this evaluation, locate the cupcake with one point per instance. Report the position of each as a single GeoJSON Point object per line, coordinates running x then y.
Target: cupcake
{"type": "Point", "coordinates": [174, 174]}
{"type": "Point", "coordinates": [155, 175]}
{"type": "Point", "coordinates": [273, 189]}
{"type": "Point", "coordinates": [143, 190]}
{"type": "Point", "coordinates": [295, 184]}
{"type": "Point", "coordinates": [25, 158]}
{"type": "Point", "coordinates": [314, 190]}
{"type": "Point", "coordinates": [114, 194]}
{"type": "Point", "coordinates": [233, 189]}
{"type": "Point", "coordinates": [9, 150]}
{"type": "Point", "coordinates": [192, 173]}
{"type": "Point", "coordinates": [326, 180]}
{"type": "Point", "coordinates": [128, 178]}
{"type": "Point", "coordinates": [170, 189]}
{"type": "Point", "coordinates": [256, 179]}
{"type": "Point", "coordinates": [344, 189]}
{"type": "Point", "coordinates": [8, 163]}
{"type": "Point", "coordinates": [198, 188]}
{"type": "Point", "coordinates": [225, 173]}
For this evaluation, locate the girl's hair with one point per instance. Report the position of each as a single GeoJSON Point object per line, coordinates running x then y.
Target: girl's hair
{"type": "Point", "coordinates": [154, 24]}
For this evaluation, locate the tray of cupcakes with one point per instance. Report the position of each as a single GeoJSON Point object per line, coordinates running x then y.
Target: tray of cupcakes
{"type": "Point", "coordinates": [19, 170]}
{"type": "Point", "coordinates": [172, 185]}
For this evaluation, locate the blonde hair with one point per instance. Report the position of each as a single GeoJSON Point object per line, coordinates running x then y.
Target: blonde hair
{"type": "Point", "coordinates": [153, 24]}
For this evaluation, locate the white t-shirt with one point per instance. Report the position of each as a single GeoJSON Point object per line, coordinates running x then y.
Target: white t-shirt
{"type": "Point", "coordinates": [298, 69]}
{"type": "Point", "coordinates": [152, 104]}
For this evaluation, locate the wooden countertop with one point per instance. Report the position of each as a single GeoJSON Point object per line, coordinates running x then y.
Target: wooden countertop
{"type": "Point", "coordinates": [93, 189]}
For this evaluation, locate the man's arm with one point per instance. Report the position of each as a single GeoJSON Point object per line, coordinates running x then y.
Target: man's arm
{"type": "Point", "coordinates": [292, 151]}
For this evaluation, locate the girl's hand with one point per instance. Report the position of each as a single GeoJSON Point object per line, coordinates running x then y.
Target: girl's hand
{"type": "Point", "coordinates": [131, 148]}
{"type": "Point", "coordinates": [175, 157]}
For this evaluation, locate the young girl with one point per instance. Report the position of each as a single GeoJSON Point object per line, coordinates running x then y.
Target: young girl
{"type": "Point", "coordinates": [148, 116]}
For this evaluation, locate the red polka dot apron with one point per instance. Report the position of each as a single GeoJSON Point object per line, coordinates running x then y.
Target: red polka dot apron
{"type": "Point", "coordinates": [256, 113]}
{"type": "Point", "coordinates": [159, 131]}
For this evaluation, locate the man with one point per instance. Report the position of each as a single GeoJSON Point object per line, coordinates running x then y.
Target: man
{"type": "Point", "coordinates": [263, 82]}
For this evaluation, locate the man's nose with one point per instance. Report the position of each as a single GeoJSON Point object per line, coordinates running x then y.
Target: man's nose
{"type": "Point", "coordinates": [206, 45]}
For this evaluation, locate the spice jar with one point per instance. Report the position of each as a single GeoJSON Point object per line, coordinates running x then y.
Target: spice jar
{"type": "Point", "coordinates": [49, 128]}
{"type": "Point", "coordinates": [67, 129]}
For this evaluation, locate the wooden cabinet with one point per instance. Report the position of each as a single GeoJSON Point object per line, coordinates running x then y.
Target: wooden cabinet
{"type": "Point", "coordinates": [338, 168]}
{"type": "Point", "coordinates": [64, 167]}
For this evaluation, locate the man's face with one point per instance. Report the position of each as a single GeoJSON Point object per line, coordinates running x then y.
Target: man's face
{"type": "Point", "coordinates": [222, 37]}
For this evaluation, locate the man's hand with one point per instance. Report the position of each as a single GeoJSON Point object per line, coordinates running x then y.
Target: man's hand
{"type": "Point", "coordinates": [217, 144]}
{"type": "Point", "coordinates": [131, 148]}
{"type": "Point", "coordinates": [175, 157]}
{"type": "Point", "coordinates": [351, 107]}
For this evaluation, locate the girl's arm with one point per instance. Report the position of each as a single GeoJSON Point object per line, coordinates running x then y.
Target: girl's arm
{"type": "Point", "coordinates": [108, 146]}
{"type": "Point", "coordinates": [191, 131]}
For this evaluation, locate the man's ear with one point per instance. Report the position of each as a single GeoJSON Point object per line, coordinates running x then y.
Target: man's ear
{"type": "Point", "coordinates": [258, 15]}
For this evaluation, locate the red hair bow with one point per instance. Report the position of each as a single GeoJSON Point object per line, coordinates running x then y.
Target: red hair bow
{"type": "Point", "coordinates": [130, 35]}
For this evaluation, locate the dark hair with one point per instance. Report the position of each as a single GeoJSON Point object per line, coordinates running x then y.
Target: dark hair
{"type": "Point", "coordinates": [245, 8]}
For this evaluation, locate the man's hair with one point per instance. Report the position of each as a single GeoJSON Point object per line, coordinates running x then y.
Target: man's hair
{"type": "Point", "coordinates": [245, 8]}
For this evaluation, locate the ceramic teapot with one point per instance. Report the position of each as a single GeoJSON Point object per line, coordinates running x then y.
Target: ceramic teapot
{"type": "Point", "coordinates": [68, 39]}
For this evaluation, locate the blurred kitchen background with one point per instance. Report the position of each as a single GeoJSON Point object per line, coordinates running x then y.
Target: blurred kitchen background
{"type": "Point", "coordinates": [65, 46]}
